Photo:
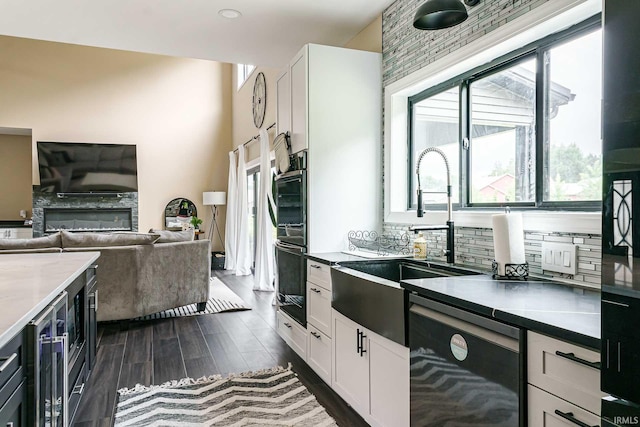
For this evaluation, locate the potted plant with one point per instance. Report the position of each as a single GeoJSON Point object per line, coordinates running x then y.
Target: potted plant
{"type": "Point", "coordinates": [195, 221]}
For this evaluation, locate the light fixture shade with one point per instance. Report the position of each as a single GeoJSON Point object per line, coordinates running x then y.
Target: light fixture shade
{"type": "Point", "coordinates": [215, 198]}
{"type": "Point", "coordinates": [439, 14]}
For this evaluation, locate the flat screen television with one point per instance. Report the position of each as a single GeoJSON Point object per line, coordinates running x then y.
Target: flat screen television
{"type": "Point", "coordinates": [69, 167]}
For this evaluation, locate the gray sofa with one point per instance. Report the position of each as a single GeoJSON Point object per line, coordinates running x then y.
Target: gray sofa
{"type": "Point", "coordinates": [138, 273]}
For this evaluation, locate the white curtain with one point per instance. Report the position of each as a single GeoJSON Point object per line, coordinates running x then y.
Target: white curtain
{"type": "Point", "coordinates": [263, 276]}
{"type": "Point", "coordinates": [231, 225]}
{"type": "Point", "coordinates": [243, 255]}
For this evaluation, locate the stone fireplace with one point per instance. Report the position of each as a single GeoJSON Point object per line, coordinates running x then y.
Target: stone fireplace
{"type": "Point", "coordinates": [101, 212]}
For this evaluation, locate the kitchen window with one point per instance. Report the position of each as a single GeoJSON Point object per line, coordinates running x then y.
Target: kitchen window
{"type": "Point", "coordinates": [523, 130]}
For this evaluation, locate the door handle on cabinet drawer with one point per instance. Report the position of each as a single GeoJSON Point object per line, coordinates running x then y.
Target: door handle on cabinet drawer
{"type": "Point", "coordinates": [569, 417]}
{"type": "Point", "coordinates": [315, 334]}
{"type": "Point", "coordinates": [8, 361]}
{"type": "Point", "coordinates": [574, 358]}
{"type": "Point", "coordinates": [314, 266]}
{"type": "Point", "coordinates": [287, 324]}
{"type": "Point", "coordinates": [317, 291]}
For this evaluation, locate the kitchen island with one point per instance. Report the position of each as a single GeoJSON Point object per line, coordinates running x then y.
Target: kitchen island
{"type": "Point", "coordinates": [47, 335]}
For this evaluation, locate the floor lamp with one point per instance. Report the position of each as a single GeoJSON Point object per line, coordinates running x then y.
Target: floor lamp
{"type": "Point", "coordinates": [214, 199]}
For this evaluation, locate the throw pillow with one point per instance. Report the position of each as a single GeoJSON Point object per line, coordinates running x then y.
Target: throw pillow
{"type": "Point", "coordinates": [50, 241]}
{"type": "Point", "coordinates": [168, 236]}
{"type": "Point", "coordinates": [96, 240]}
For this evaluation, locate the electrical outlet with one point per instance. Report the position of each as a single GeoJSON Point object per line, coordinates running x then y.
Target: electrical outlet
{"type": "Point", "coordinates": [559, 257]}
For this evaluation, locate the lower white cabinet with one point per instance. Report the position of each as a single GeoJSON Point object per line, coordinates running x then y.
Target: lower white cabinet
{"type": "Point", "coordinates": [16, 233]}
{"type": "Point", "coordinates": [319, 307]}
{"type": "Point", "coordinates": [293, 333]}
{"type": "Point", "coordinates": [547, 410]}
{"type": "Point", "coordinates": [319, 353]}
{"type": "Point", "coordinates": [371, 373]}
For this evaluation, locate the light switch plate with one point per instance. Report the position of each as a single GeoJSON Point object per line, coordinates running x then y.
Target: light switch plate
{"type": "Point", "coordinates": [559, 257]}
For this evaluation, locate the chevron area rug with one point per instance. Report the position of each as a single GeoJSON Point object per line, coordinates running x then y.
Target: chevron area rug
{"type": "Point", "coordinates": [221, 298]}
{"type": "Point", "coordinates": [272, 397]}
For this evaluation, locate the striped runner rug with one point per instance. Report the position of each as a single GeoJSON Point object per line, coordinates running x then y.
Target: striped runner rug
{"type": "Point", "coordinates": [221, 298]}
{"type": "Point", "coordinates": [272, 397]}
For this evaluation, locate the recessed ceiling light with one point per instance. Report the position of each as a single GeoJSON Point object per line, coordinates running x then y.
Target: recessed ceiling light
{"type": "Point", "coordinates": [229, 13]}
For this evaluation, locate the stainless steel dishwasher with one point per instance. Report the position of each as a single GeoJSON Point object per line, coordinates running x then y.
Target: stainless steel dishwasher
{"type": "Point", "coordinates": [465, 369]}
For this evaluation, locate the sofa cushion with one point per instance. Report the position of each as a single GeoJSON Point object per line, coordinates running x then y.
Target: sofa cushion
{"type": "Point", "coordinates": [51, 241]}
{"type": "Point", "coordinates": [168, 236]}
{"type": "Point", "coordinates": [91, 240]}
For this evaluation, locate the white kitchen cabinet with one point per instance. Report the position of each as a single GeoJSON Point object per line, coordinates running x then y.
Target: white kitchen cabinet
{"type": "Point", "coordinates": [293, 333]}
{"type": "Point", "coordinates": [319, 319]}
{"type": "Point", "coordinates": [371, 373]}
{"type": "Point", "coordinates": [547, 410]}
{"type": "Point", "coordinates": [319, 353]}
{"type": "Point", "coordinates": [283, 105]}
{"type": "Point", "coordinates": [16, 233]}
{"type": "Point", "coordinates": [564, 382]}
{"type": "Point", "coordinates": [335, 109]}
{"type": "Point", "coordinates": [319, 307]}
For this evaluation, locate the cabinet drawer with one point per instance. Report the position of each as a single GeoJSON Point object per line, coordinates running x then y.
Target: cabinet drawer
{"type": "Point", "coordinates": [546, 410]}
{"type": "Point", "coordinates": [319, 354]}
{"type": "Point", "coordinates": [564, 370]}
{"type": "Point", "coordinates": [319, 308]}
{"type": "Point", "coordinates": [319, 274]}
{"type": "Point", "coordinates": [10, 360]}
{"type": "Point", "coordinates": [293, 333]}
{"type": "Point", "coordinates": [12, 413]}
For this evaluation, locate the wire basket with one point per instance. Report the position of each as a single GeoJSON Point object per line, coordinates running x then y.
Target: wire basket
{"type": "Point", "coordinates": [370, 241]}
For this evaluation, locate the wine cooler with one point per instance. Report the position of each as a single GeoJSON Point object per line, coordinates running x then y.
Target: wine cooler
{"type": "Point", "coordinates": [47, 361]}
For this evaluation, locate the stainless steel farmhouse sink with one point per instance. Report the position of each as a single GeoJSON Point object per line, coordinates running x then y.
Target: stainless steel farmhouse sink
{"type": "Point", "coordinates": [369, 293]}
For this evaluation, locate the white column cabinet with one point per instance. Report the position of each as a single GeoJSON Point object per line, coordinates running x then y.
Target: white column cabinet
{"type": "Point", "coordinates": [371, 373]}
{"type": "Point", "coordinates": [334, 107]}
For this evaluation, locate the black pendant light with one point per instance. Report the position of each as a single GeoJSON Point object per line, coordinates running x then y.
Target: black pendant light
{"type": "Point", "coordinates": [439, 14]}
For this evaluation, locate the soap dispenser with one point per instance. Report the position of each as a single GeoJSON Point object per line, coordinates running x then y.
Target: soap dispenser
{"type": "Point", "coordinates": [420, 247]}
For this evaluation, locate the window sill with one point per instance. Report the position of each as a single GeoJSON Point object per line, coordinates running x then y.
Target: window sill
{"type": "Point", "coordinates": [548, 221]}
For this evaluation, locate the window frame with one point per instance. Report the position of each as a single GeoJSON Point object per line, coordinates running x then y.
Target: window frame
{"type": "Point", "coordinates": [540, 50]}
{"type": "Point", "coordinates": [247, 70]}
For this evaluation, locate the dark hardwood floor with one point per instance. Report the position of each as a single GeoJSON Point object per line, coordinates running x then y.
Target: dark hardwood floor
{"type": "Point", "coordinates": [154, 352]}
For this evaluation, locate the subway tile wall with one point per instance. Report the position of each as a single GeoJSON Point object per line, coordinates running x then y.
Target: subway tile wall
{"type": "Point", "coordinates": [406, 50]}
{"type": "Point", "coordinates": [474, 247]}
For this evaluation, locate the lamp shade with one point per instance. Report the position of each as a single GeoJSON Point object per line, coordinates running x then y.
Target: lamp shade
{"type": "Point", "coordinates": [439, 14]}
{"type": "Point", "coordinates": [215, 198]}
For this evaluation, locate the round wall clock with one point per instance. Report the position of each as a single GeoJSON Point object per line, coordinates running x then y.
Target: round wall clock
{"type": "Point", "coordinates": [259, 100]}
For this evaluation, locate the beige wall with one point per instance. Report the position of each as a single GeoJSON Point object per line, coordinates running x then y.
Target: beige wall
{"type": "Point", "coordinates": [177, 111]}
{"type": "Point", "coordinates": [243, 127]}
{"type": "Point", "coordinates": [15, 176]}
{"type": "Point", "coordinates": [370, 38]}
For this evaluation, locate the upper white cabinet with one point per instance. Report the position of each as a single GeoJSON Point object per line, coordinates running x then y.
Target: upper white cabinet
{"type": "Point", "coordinates": [334, 106]}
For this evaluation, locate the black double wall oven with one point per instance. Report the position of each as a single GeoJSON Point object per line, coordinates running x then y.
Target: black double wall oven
{"type": "Point", "coordinates": [291, 245]}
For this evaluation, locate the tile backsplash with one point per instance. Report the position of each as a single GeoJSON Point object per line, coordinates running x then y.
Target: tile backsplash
{"type": "Point", "coordinates": [474, 248]}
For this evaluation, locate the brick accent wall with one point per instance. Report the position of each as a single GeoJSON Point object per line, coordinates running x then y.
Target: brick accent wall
{"type": "Point", "coordinates": [406, 50]}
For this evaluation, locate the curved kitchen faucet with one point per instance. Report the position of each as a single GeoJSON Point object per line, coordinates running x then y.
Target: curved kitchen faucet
{"type": "Point", "coordinates": [449, 227]}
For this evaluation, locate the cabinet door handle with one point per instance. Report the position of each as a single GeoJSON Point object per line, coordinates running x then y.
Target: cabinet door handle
{"type": "Point", "coordinates": [8, 361]}
{"type": "Point", "coordinates": [287, 324]}
{"type": "Point", "coordinates": [569, 417]}
{"type": "Point", "coordinates": [574, 358]}
{"type": "Point", "coordinates": [315, 334]}
{"type": "Point", "coordinates": [358, 347]}
{"type": "Point", "coordinates": [362, 349]}
{"type": "Point", "coordinates": [78, 389]}
{"type": "Point", "coordinates": [314, 266]}
{"type": "Point", "coordinates": [317, 291]}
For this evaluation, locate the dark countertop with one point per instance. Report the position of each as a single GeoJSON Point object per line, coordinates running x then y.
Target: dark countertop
{"type": "Point", "coordinates": [559, 310]}
{"type": "Point", "coordinates": [331, 258]}
{"type": "Point", "coordinates": [13, 224]}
